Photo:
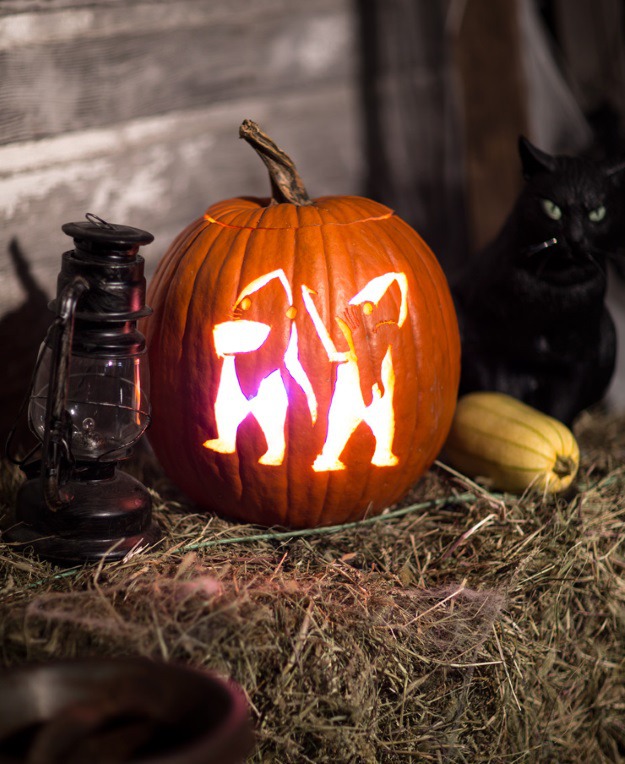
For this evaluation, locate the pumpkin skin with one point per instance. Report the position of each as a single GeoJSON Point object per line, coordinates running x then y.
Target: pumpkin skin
{"type": "Point", "coordinates": [513, 445]}
{"type": "Point", "coordinates": [327, 251]}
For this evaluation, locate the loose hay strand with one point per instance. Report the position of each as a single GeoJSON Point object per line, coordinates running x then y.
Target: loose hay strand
{"type": "Point", "coordinates": [329, 529]}
{"type": "Point", "coordinates": [271, 536]}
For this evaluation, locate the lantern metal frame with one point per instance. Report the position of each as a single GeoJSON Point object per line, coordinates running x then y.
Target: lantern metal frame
{"type": "Point", "coordinates": [73, 510]}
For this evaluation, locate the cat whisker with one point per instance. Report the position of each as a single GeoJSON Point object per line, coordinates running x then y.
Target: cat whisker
{"type": "Point", "coordinates": [535, 248]}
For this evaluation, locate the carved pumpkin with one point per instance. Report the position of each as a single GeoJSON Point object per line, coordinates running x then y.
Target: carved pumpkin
{"type": "Point", "coordinates": [304, 355]}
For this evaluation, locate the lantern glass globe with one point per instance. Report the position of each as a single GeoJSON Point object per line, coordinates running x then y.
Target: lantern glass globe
{"type": "Point", "coordinates": [106, 402]}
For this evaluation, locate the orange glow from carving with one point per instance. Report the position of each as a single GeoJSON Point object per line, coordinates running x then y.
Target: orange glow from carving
{"type": "Point", "coordinates": [270, 404]}
{"type": "Point", "coordinates": [295, 369]}
{"type": "Point", "coordinates": [260, 282]}
{"type": "Point", "coordinates": [377, 288]}
{"type": "Point", "coordinates": [239, 337]}
{"type": "Point", "coordinates": [348, 409]}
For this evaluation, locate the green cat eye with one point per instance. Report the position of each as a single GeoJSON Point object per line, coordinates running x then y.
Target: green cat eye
{"type": "Point", "coordinates": [597, 215]}
{"type": "Point", "coordinates": [551, 209]}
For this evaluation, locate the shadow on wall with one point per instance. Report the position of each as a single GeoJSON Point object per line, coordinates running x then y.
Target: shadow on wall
{"type": "Point", "coordinates": [21, 333]}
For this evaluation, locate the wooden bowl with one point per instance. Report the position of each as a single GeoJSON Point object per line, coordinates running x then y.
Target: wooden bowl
{"type": "Point", "coordinates": [121, 710]}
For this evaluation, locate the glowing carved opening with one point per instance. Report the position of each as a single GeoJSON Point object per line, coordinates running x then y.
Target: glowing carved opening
{"type": "Point", "coordinates": [270, 405]}
{"type": "Point", "coordinates": [373, 292]}
{"type": "Point", "coordinates": [239, 336]}
{"type": "Point", "coordinates": [347, 408]}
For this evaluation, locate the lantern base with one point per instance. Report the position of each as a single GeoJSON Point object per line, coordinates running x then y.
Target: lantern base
{"type": "Point", "coordinates": [108, 514]}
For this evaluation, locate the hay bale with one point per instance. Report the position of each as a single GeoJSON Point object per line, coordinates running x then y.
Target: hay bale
{"type": "Point", "coordinates": [461, 626]}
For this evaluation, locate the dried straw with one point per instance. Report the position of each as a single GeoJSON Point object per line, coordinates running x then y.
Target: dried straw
{"type": "Point", "coordinates": [461, 626]}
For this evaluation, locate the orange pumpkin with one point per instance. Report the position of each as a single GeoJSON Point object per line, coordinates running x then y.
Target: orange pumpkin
{"type": "Point", "coordinates": [304, 355]}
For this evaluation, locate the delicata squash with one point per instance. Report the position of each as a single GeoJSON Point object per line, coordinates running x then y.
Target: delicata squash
{"type": "Point", "coordinates": [511, 444]}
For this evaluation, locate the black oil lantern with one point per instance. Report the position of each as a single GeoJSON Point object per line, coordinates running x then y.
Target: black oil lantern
{"type": "Point", "coordinates": [88, 406]}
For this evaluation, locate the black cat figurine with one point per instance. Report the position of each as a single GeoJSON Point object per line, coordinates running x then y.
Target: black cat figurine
{"type": "Point", "coordinates": [531, 305]}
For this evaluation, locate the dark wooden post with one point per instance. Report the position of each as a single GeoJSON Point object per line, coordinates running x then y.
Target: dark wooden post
{"type": "Point", "coordinates": [487, 52]}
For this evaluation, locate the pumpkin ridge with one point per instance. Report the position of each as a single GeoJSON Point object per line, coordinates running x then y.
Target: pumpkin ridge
{"type": "Point", "coordinates": [236, 248]}
{"type": "Point", "coordinates": [254, 243]}
{"type": "Point", "coordinates": [373, 238]}
{"type": "Point", "coordinates": [290, 479]}
{"type": "Point", "coordinates": [423, 263]}
{"type": "Point", "coordinates": [352, 258]}
{"type": "Point", "coordinates": [354, 205]}
{"type": "Point", "coordinates": [414, 264]}
{"type": "Point", "coordinates": [306, 211]}
{"type": "Point", "coordinates": [427, 268]}
{"type": "Point", "coordinates": [212, 220]}
{"type": "Point", "coordinates": [167, 267]}
{"type": "Point", "coordinates": [164, 288]}
{"type": "Point", "coordinates": [333, 219]}
{"type": "Point", "coordinates": [205, 263]}
{"type": "Point", "coordinates": [427, 282]}
{"type": "Point", "coordinates": [434, 273]}
{"type": "Point", "coordinates": [168, 285]}
{"type": "Point", "coordinates": [327, 269]}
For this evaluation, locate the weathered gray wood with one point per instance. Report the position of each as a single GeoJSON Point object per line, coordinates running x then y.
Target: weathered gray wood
{"type": "Point", "coordinates": [73, 68]}
{"type": "Point", "coordinates": [8, 7]}
{"type": "Point", "coordinates": [131, 110]}
{"type": "Point", "coordinates": [216, 9]}
{"type": "Point", "coordinates": [159, 173]}
{"type": "Point", "coordinates": [156, 173]}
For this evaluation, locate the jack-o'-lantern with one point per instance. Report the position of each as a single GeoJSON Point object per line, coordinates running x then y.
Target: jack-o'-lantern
{"type": "Point", "coordinates": [304, 355]}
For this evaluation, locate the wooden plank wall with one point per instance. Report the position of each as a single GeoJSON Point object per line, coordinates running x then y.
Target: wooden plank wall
{"type": "Point", "coordinates": [130, 110]}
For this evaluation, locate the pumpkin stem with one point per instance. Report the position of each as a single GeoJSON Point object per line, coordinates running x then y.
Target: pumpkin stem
{"type": "Point", "coordinates": [286, 184]}
{"type": "Point", "coordinates": [564, 466]}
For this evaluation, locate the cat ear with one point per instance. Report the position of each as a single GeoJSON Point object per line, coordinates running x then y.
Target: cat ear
{"type": "Point", "coordinates": [533, 159]}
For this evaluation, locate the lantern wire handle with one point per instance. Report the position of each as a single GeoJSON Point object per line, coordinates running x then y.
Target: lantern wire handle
{"type": "Point", "coordinates": [97, 221]}
{"type": "Point", "coordinates": [57, 430]}
{"type": "Point", "coordinates": [8, 448]}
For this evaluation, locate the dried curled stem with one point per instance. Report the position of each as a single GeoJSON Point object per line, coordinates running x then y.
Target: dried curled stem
{"type": "Point", "coordinates": [286, 184]}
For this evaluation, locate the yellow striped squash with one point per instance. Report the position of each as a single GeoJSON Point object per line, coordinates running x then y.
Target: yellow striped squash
{"type": "Point", "coordinates": [511, 444]}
